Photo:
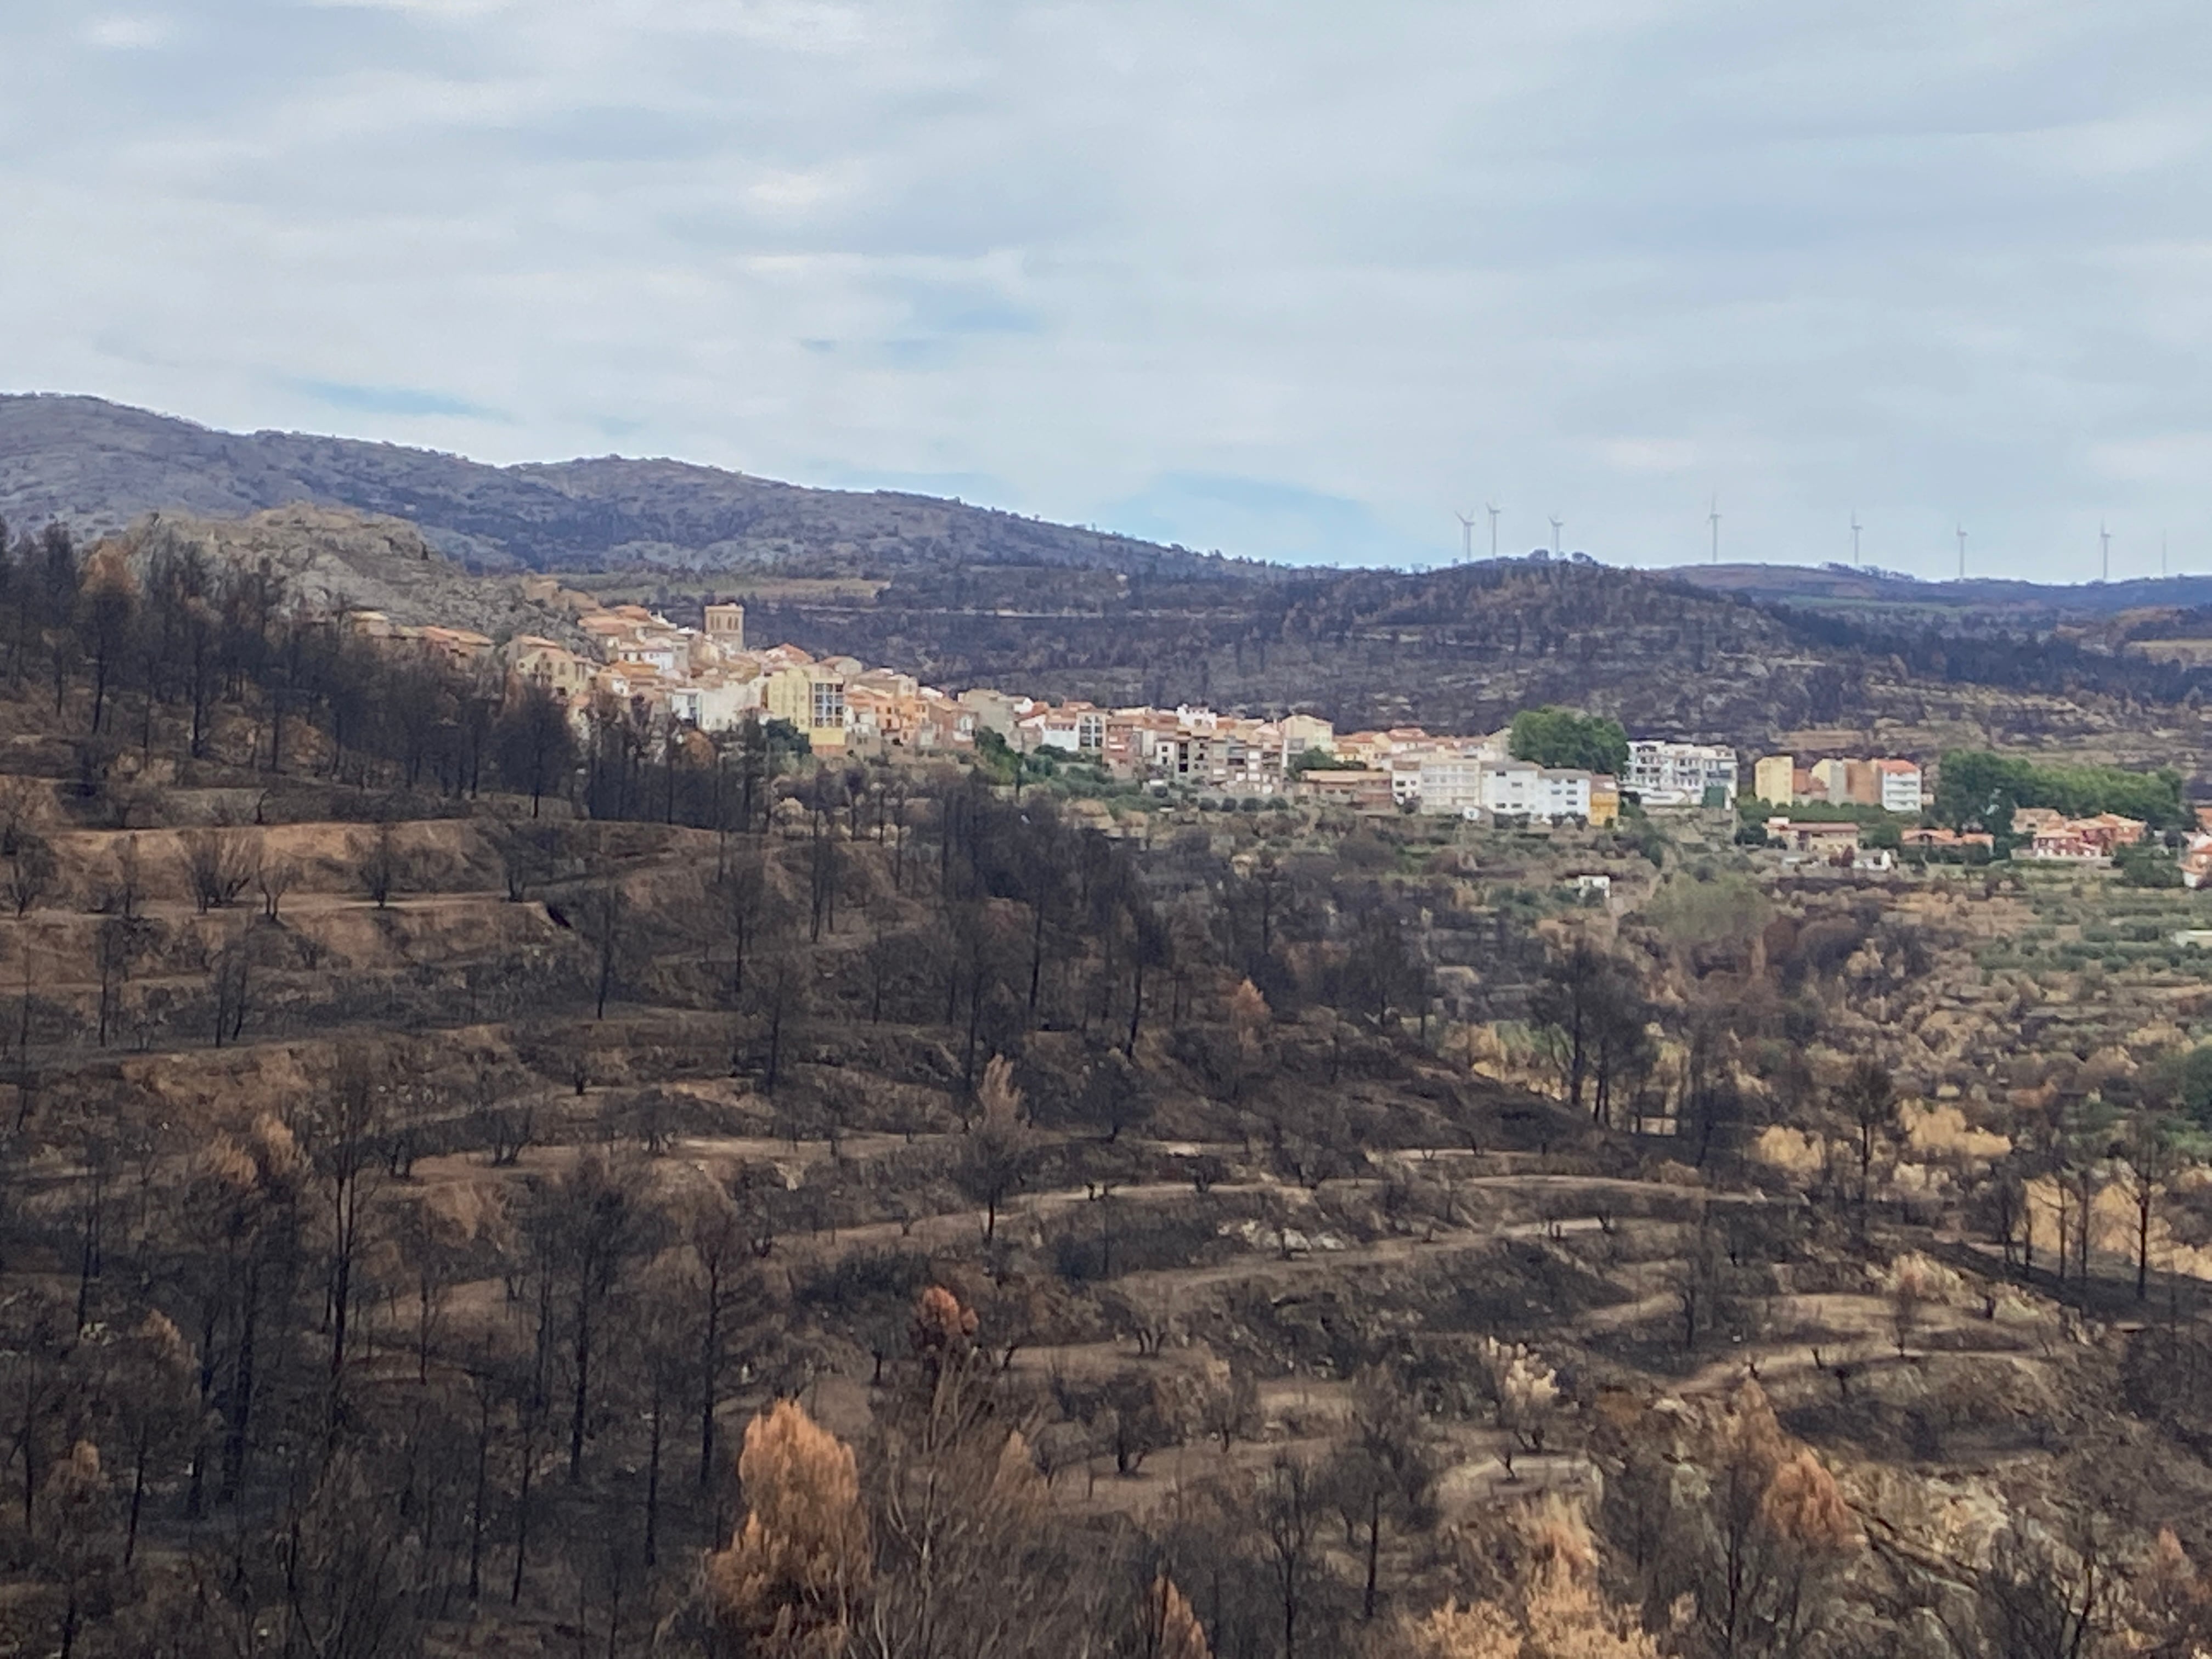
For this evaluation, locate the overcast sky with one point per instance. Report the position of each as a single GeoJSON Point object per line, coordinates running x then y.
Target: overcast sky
{"type": "Point", "coordinates": [1295, 280]}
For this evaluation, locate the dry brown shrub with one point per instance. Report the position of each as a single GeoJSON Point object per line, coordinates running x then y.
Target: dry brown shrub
{"type": "Point", "coordinates": [1479, 1631]}
{"type": "Point", "coordinates": [1566, 1619]}
{"type": "Point", "coordinates": [1016, 1484]}
{"type": "Point", "coordinates": [1248, 1010]}
{"type": "Point", "coordinates": [1751, 1432]}
{"type": "Point", "coordinates": [1562, 1617]}
{"type": "Point", "coordinates": [942, 1326]}
{"type": "Point", "coordinates": [1802, 1503]}
{"type": "Point", "coordinates": [1942, 1130]}
{"type": "Point", "coordinates": [998, 1095]}
{"type": "Point", "coordinates": [277, 1149]}
{"type": "Point", "coordinates": [786, 1586]}
{"type": "Point", "coordinates": [1791, 1150]}
{"type": "Point", "coordinates": [1173, 1631]}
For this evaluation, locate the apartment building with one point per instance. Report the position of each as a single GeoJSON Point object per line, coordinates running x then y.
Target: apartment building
{"type": "Point", "coordinates": [1900, 785]}
{"type": "Point", "coordinates": [1681, 774]}
{"type": "Point", "coordinates": [811, 697]}
{"type": "Point", "coordinates": [1774, 780]}
{"type": "Point", "coordinates": [1303, 734]}
{"type": "Point", "coordinates": [1450, 786]}
{"type": "Point", "coordinates": [1542, 794]}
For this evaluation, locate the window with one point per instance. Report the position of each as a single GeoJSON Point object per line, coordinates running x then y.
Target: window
{"type": "Point", "coordinates": [828, 703]}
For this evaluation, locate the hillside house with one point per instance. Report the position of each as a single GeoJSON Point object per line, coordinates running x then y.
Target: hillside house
{"type": "Point", "coordinates": [1406, 778]}
{"type": "Point", "coordinates": [549, 664]}
{"type": "Point", "coordinates": [452, 647]}
{"type": "Point", "coordinates": [714, 705]}
{"type": "Point", "coordinates": [995, 711]}
{"type": "Point", "coordinates": [1366, 789]}
{"type": "Point", "coordinates": [1838, 842]}
{"type": "Point", "coordinates": [1933, 838]}
{"type": "Point", "coordinates": [1074, 728]}
{"type": "Point", "coordinates": [1604, 799]}
{"type": "Point", "coordinates": [2090, 840]}
{"type": "Point", "coordinates": [2196, 860]}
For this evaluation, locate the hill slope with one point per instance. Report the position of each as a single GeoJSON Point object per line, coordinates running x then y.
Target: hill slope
{"type": "Point", "coordinates": [100, 464]}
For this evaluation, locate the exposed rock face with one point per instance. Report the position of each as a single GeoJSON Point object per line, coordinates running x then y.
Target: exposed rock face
{"type": "Point", "coordinates": [331, 560]}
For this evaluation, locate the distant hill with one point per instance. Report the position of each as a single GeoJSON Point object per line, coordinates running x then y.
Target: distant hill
{"type": "Point", "coordinates": [2017, 604]}
{"type": "Point", "coordinates": [99, 466]}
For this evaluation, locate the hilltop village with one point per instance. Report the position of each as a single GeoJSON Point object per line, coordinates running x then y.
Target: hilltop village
{"type": "Point", "coordinates": [708, 679]}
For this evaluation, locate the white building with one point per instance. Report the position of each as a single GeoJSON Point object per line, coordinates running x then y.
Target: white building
{"type": "Point", "coordinates": [1406, 779]}
{"type": "Point", "coordinates": [1542, 794]}
{"type": "Point", "coordinates": [713, 707]}
{"type": "Point", "coordinates": [1450, 784]}
{"type": "Point", "coordinates": [1679, 774]}
{"type": "Point", "coordinates": [1900, 786]}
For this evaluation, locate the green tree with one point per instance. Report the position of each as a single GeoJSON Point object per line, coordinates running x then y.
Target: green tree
{"type": "Point", "coordinates": [1552, 736]}
{"type": "Point", "coordinates": [1977, 786]}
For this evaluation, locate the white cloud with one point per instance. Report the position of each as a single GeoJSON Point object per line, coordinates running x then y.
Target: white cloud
{"type": "Point", "coordinates": [1932, 258]}
{"type": "Point", "coordinates": [129, 34]}
{"type": "Point", "coordinates": [1650, 454]}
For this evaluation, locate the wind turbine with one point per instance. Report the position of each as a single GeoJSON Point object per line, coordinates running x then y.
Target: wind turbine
{"type": "Point", "coordinates": [1466, 535]}
{"type": "Point", "coordinates": [2104, 540]}
{"type": "Point", "coordinates": [1856, 527]}
{"type": "Point", "coordinates": [2161, 556]}
{"type": "Point", "coordinates": [1962, 552]}
{"type": "Point", "coordinates": [1715, 516]}
{"type": "Point", "coordinates": [1493, 508]}
{"type": "Point", "coordinates": [1558, 525]}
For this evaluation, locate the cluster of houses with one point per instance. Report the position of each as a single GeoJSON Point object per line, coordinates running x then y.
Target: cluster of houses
{"type": "Point", "coordinates": [709, 678]}
{"type": "Point", "coordinates": [1478, 778]}
{"type": "Point", "coordinates": [2043, 834]}
{"type": "Point", "coordinates": [1407, 768]}
{"type": "Point", "coordinates": [2047, 833]}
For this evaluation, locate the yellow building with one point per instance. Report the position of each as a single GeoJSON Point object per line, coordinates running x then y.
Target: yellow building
{"type": "Point", "coordinates": [543, 662]}
{"type": "Point", "coordinates": [1772, 780]}
{"type": "Point", "coordinates": [1604, 797]}
{"type": "Point", "coordinates": [812, 698]}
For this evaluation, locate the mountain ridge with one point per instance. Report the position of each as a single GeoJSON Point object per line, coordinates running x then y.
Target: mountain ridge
{"type": "Point", "coordinates": [97, 466]}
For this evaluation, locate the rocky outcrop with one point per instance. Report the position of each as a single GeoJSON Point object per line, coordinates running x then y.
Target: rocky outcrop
{"type": "Point", "coordinates": [331, 560]}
